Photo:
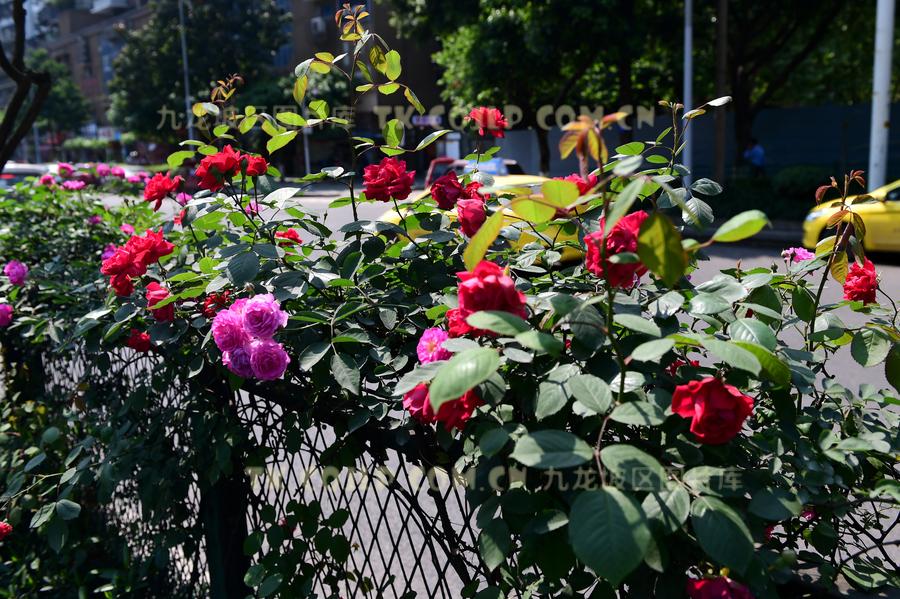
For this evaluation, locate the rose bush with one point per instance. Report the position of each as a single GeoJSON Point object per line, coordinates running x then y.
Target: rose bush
{"type": "Point", "coordinates": [654, 434]}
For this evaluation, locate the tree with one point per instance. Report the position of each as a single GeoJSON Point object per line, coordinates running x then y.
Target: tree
{"type": "Point", "coordinates": [32, 89]}
{"type": "Point", "coordinates": [541, 52]}
{"type": "Point", "coordinates": [66, 108]}
{"type": "Point", "coordinates": [223, 38]}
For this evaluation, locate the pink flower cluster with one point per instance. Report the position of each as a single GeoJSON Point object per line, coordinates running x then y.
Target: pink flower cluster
{"type": "Point", "coordinates": [16, 271]}
{"type": "Point", "coordinates": [6, 315]}
{"type": "Point", "coordinates": [244, 333]}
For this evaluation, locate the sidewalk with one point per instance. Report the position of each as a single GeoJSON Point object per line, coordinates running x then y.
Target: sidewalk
{"type": "Point", "coordinates": [780, 234]}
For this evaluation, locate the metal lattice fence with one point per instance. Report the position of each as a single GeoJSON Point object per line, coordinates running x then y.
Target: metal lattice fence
{"type": "Point", "coordinates": [410, 531]}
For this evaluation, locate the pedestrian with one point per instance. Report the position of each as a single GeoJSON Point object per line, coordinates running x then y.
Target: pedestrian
{"type": "Point", "coordinates": [756, 156]}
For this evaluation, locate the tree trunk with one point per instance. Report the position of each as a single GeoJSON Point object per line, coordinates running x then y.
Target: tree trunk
{"type": "Point", "coordinates": [744, 114]}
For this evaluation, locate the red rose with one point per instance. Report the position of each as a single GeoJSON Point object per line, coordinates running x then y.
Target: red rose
{"type": "Point", "coordinates": [861, 283]}
{"type": "Point", "coordinates": [717, 410]}
{"type": "Point", "coordinates": [215, 302]}
{"type": "Point", "coordinates": [179, 218]}
{"type": "Point", "coordinates": [122, 262]}
{"type": "Point", "coordinates": [289, 237]}
{"type": "Point", "coordinates": [155, 294]}
{"type": "Point", "coordinates": [471, 215]}
{"type": "Point", "coordinates": [622, 238]}
{"type": "Point", "coordinates": [489, 288]}
{"type": "Point", "coordinates": [388, 179]}
{"type": "Point", "coordinates": [5, 529]}
{"type": "Point", "coordinates": [122, 285]}
{"type": "Point", "coordinates": [159, 187]}
{"type": "Point", "coordinates": [214, 171]}
{"type": "Point", "coordinates": [488, 119]}
{"type": "Point", "coordinates": [256, 165]}
{"type": "Point", "coordinates": [447, 190]}
{"type": "Point", "coordinates": [471, 191]}
{"type": "Point", "coordinates": [672, 369]}
{"type": "Point", "coordinates": [452, 414]}
{"type": "Point", "coordinates": [149, 248]}
{"type": "Point", "coordinates": [584, 185]}
{"type": "Point", "coordinates": [138, 341]}
{"type": "Point", "coordinates": [717, 588]}
{"type": "Point", "coordinates": [456, 324]}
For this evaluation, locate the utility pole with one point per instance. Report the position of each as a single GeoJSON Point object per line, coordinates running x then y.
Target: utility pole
{"type": "Point", "coordinates": [688, 83]}
{"type": "Point", "coordinates": [881, 94]}
{"type": "Point", "coordinates": [721, 116]}
{"type": "Point", "coordinates": [188, 113]}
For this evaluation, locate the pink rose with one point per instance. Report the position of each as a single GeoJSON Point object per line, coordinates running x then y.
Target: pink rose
{"type": "Point", "coordinates": [622, 238]}
{"type": "Point", "coordinates": [262, 316]}
{"type": "Point", "coordinates": [47, 180]}
{"type": "Point", "coordinates": [388, 180]}
{"type": "Point", "coordinates": [6, 315]}
{"type": "Point", "coordinates": [16, 271]}
{"type": "Point", "coordinates": [126, 228]}
{"type": "Point", "coordinates": [94, 219]}
{"type": "Point", "coordinates": [717, 411]}
{"type": "Point", "coordinates": [228, 330]}
{"type": "Point", "coordinates": [183, 198]}
{"type": "Point", "coordinates": [797, 254]}
{"type": "Point", "coordinates": [268, 360]}
{"type": "Point", "coordinates": [108, 251]}
{"type": "Point", "coordinates": [429, 348]}
{"type": "Point", "coordinates": [117, 171]}
{"type": "Point", "coordinates": [102, 170]}
{"type": "Point", "coordinates": [471, 215]}
{"type": "Point", "coordinates": [861, 283]}
{"type": "Point", "coordinates": [73, 185]}
{"type": "Point", "coordinates": [65, 169]}
{"type": "Point", "coordinates": [238, 362]}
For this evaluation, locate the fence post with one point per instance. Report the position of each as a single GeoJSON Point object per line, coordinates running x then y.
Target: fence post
{"type": "Point", "coordinates": [223, 511]}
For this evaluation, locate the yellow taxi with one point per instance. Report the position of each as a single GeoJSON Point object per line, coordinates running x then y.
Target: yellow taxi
{"type": "Point", "coordinates": [505, 174]}
{"type": "Point", "coordinates": [881, 218]}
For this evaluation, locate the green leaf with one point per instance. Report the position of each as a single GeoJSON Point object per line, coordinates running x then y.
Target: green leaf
{"type": "Point", "coordinates": [242, 268]}
{"type": "Point", "coordinates": [291, 118]}
{"type": "Point", "coordinates": [631, 148]}
{"type": "Point", "coordinates": [319, 108]}
{"type": "Point", "coordinates": [493, 441]}
{"type": "Point", "coordinates": [775, 504]}
{"type": "Point", "coordinates": [392, 68]}
{"type": "Point", "coordinates": [462, 372]}
{"type": "Point", "coordinates": [803, 303]}
{"type": "Point", "coordinates": [660, 249]}
{"type": "Point", "coordinates": [733, 355]}
{"type": "Point", "coordinates": [494, 543]}
{"type": "Point", "coordinates": [869, 347]}
{"type": "Point", "coordinates": [393, 133]}
{"type": "Point", "coordinates": [42, 515]}
{"type": "Point", "coordinates": [591, 392]}
{"type": "Point", "coordinates": [652, 351]}
{"type": "Point", "coordinates": [775, 369]}
{"type": "Point", "coordinates": [892, 367]}
{"type": "Point", "coordinates": [345, 372]}
{"type": "Point", "coordinates": [752, 331]}
{"type": "Point", "coordinates": [547, 521]}
{"type": "Point", "coordinates": [431, 138]}
{"type": "Point", "coordinates": [67, 509]}
{"type": "Point", "coordinates": [708, 303]}
{"type": "Point", "coordinates": [176, 159]}
{"type": "Point", "coordinates": [623, 203]}
{"type": "Point", "coordinates": [414, 100]}
{"type": "Point", "coordinates": [638, 413]}
{"type": "Point", "coordinates": [707, 187]}
{"type": "Point", "coordinates": [551, 449]}
{"type": "Point", "coordinates": [502, 323]}
{"type": "Point", "coordinates": [479, 243]}
{"type": "Point", "coordinates": [269, 585]}
{"type": "Point", "coordinates": [636, 469]}
{"type": "Point", "coordinates": [669, 507]}
{"type": "Point", "coordinates": [744, 225]}
{"type": "Point", "coordinates": [722, 533]}
{"type": "Point", "coordinates": [532, 209]}
{"type": "Point", "coordinates": [299, 89]}
{"type": "Point", "coordinates": [559, 193]}
{"type": "Point", "coordinates": [609, 533]}
{"type": "Point", "coordinates": [280, 140]}
{"type": "Point", "coordinates": [541, 342]}
{"type": "Point", "coordinates": [638, 324]}
{"type": "Point", "coordinates": [552, 396]}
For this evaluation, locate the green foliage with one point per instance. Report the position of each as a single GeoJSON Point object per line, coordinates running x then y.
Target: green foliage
{"type": "Point", "coordinates": [65, 109]}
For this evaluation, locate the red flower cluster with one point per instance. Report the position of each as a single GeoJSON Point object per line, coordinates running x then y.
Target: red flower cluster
{"type": "Point", "coordinates": [452, 414]}
{"type": "Point", "coordinates": [215, 302]}
{"type": "Point", "coordinates": [289, 237]}
{"type": "Point", "coordinates": [448, 189]}
{"type": "Point", "coordinates": [132, 260]}
{"type": "Point", "coordinates": [717, 410]}
{"type": "Point", "coordinates": [388, 179]}
{"type": "Point", "coordinates": [622, 238]}
{"type": "Point", "coordinates": [717, 588]}
{"type": "Point", "coordinates": [138, 341]}
{"type": "Point", "coordinates": [159, 187]}
{"type": "Point", "coordinates": [216, 170]}
{"type": "Point", "coordinates": [485, 288]}
{"type": "Point", "coordinates": [488, 119]}
{"type": "Point", "coordinates": [155, 294]}
{"type": "Point", "coordinates": [861, 283]}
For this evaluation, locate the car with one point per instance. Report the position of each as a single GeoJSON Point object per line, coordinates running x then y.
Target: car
{"type": "Point", "coordinates": [506, 174]}
{"type": "Point", "coordinates": [17, 172]}
{"type": "Point", "coordinates": [881, 218]}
